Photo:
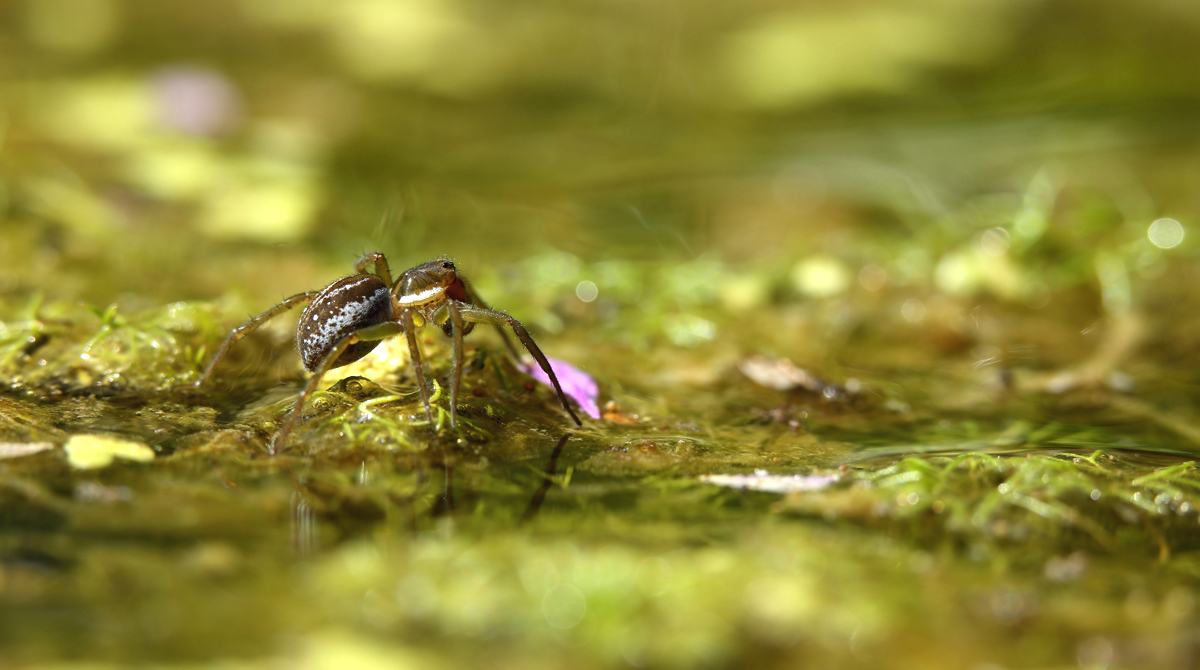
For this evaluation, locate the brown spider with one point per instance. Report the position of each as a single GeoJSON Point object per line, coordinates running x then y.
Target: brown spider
{"type": "Point", "coordinates": [350, 317]}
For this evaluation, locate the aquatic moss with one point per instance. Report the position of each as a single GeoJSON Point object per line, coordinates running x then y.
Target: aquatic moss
{"type": "Point", "coordinates": [1098, 501]}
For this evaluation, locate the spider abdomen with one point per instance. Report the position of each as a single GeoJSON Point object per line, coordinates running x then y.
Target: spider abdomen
{"type": "Point", "coordinates": [342, 308]}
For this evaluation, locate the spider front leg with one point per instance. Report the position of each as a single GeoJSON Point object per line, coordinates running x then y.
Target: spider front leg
{"type": "Point", "coordinates": [414, 355]}
{"type": "Point", "coordinates": [249, 327]}
{"type": "Point", "coordinates": [476, 314]}
{"type": "Point", "coordinates": [381, 266]}
{"type": "Point", "coordinates": [376, 332]}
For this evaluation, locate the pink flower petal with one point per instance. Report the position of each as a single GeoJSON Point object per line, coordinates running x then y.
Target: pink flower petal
{"type": "Point", "coordinates": [196, 101]}
{"type": "Point", "coordinates": [576, 384]}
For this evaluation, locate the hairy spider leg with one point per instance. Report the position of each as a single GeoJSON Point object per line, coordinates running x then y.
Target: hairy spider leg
{"type": "Point", "coordinates": [249, 327]}
{"type": "Point", "coordinates": [476, 314]}
{"type": "Point", "coordinates": [414, 355]}
{"type": "Point", "coordinates": [377, 332]}
{"type": "Point", "coordinates": [381, 266]}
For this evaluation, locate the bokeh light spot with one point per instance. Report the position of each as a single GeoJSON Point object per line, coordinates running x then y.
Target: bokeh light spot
{"type": "Point", "coordinates": [995, 241]}
{"type": "Point", "coordinates": [872, 277]}
{"type": "Point", "coordinates": [564, 606]}
{"type": "Point", "coordinates": [586, 291]}
{"type": "Point", "coordinates": [820, 277]}
{"type": "Point", "coordinates": [1166, 233]}
{"type": "Point", "coordinates": [913, 310]}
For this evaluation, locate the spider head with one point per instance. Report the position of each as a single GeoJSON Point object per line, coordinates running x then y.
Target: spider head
{"type": "Point", "coordinates": [455, 288]}
{"type": "Point", "coordinates": [439, 270]}
{"type": "Point", "coordinates": [442, 272]}
{"type": "Point", "coordinates": [429, 283]}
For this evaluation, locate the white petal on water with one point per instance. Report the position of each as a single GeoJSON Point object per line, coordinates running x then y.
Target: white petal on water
{"type": "Point", "coordinates": [762, 481]}
{"type": "Point", "coordinates": [18, 449]}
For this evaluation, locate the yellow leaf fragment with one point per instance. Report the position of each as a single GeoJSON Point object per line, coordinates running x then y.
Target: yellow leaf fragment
{"type": "Point", "coordinates": [86, 452]}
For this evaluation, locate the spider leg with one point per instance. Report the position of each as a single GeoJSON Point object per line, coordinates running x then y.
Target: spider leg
{"type": "Point", "coordinates": [381, 266]}
{"type": "Point", "coordinates": [376, 332]}
{"type": "Point", "coordinates": [474, 299]}
{"type": "Point", "coordinates": [307, 392]}
{"type": "Point", "coordinates": [483, 315]}
{"type": "Point", "coordinates": [456, 327]}
{"type": "Point", "coordinates": [249, 327]}
{"type": "Point", "coordinates": [406, 320]}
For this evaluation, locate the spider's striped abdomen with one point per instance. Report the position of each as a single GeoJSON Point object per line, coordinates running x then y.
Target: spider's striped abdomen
{"type": "Point", "coordinates": [345, 306]}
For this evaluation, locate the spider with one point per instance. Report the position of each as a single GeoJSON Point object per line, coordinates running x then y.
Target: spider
{"type": "Point", "coordinates": [347, 319]}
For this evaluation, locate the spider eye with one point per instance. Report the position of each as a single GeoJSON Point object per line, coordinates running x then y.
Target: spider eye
{"type": "Point", "coordinates": [447, 265]}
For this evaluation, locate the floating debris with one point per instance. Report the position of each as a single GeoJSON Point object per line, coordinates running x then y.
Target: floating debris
{"type": "Point", "coordinates": [612, 412]}
{"type": "Point", "coordinates": [780, 374]}
{"type": "Point", "coordinates": [99, 493]}
{"type": "Point", "coordinates": [762, 480]}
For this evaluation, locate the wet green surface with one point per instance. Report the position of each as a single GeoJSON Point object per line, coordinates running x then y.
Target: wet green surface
{"type": "Point", "coordinates": [892, 310]}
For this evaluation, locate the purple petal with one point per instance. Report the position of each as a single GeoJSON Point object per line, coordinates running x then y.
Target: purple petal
{"type": "Point", "coordinates": [577, 384]}
{"type": "Point", "coordinates": [196, 101]}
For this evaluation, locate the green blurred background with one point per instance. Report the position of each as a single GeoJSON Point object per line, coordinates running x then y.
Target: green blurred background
{"type": "Point", "coordinates": [884, 133]}
{"type": "Point", "coordinates": [870, 152]}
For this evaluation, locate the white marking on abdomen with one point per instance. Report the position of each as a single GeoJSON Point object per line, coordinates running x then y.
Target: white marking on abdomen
{"type": "Point", "coordinates": [420, 298]}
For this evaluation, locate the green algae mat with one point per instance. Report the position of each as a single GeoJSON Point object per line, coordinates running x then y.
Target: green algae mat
{"type": "Point", "coordinates": [881, 321]}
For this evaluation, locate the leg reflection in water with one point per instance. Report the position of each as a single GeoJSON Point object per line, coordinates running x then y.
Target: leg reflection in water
{"type": "Point", "coordinates": [536, 503]}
